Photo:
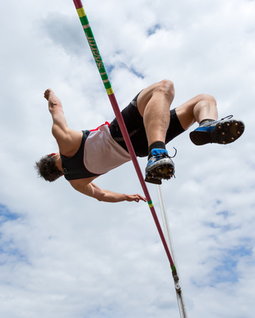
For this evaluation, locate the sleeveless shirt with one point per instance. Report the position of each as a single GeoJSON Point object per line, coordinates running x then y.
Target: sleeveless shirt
{"type": "Point", "coordinates": [98, 154]}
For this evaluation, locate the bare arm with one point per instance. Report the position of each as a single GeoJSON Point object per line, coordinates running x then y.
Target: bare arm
{"type": "Point", "coordinates": [59, 126]}
{"type": "Point", "coordinates": [67, 139]}
{"type": "Point", "coordinates": [94, 191]}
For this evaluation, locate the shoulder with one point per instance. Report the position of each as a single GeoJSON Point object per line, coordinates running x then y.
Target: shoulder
{"type": "Point", "coordinates": [70, 142]}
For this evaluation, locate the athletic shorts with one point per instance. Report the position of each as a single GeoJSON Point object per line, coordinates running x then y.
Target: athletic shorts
{"type": "Point", "coordinates": [136, 130]}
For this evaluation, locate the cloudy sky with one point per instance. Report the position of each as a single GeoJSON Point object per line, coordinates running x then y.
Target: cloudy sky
{"type": "Point", "coordinates": [69, 256]}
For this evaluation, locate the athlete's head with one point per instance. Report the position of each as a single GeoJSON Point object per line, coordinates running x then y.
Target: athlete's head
{"type": "Point", "coordinates": [47, 169]}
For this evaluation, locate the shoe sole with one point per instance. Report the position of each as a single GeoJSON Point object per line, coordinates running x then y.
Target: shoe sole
{"type": "Point", "coordinates": [153, 180]}
{"type": "Point", "coordinates": [164, 171]}
{"type": "Point", "coordinates": [224, 133]}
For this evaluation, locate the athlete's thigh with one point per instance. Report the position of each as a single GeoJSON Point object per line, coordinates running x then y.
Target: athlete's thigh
{"type": "Point", "coordinates": [145, 95]}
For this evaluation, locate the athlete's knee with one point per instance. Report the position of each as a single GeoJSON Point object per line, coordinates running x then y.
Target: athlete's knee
{"type": "Point", "coordinates": [206, 98]}
{"type": "Point", "coordinates": [165, 87]}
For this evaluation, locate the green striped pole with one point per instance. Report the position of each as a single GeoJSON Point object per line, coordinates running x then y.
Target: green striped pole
{"type": "Point", "coordinates": [104, 76]}
{"type": "Point", "coordinates": [93, 46]}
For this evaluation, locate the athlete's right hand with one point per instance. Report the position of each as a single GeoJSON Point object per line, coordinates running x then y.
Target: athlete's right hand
{"type": "Point", "coordinates": [135, 197]}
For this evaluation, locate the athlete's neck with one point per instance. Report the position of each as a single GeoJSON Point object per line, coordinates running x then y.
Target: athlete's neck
{"type": "Point", "coordinates": [58, 162]}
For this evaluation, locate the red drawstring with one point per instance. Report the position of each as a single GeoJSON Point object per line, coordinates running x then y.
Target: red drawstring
{"type": "Point", "coordinates": [106, 123]}
{"type": "Point", "coordinates": [51, 154]}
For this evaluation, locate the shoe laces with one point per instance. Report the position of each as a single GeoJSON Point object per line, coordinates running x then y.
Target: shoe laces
{"type": "Point", "coordinates": [164, 154]}
{"type": "Point", "coordinates": [175, 153]}
{"type": "Point", "coordinates": [227, 117]}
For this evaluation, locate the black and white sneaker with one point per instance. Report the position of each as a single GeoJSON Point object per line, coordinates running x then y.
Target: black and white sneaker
{"type": "Point", "coordinates": [159, 166]}
{"type": "Point", "coordinates": [223, 131]}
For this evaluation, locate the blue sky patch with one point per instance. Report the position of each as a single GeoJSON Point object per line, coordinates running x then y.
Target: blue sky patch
{"type": "Point", "coordinates": [9, 251]}
{"type": "Point", "coordinates": [227, 270]}
{"type": "Point", "coordinates": [225, 214]}
{"type": "Point", "coordinates": [136, 73]}
{"type": "Point", "coordinates": [153, 29]}
{"type": "Point", "coordinates": [6, 214]}
{"type": "Point", "coordinates": [221, 227]}
{"type": "Point", "coordinates": [109, 68]}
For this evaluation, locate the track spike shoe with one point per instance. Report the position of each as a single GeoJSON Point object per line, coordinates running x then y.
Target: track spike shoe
{"type": "Point", "coordinates": [159, 166]}
{"type": "Point", "coordinates": [223, 131]}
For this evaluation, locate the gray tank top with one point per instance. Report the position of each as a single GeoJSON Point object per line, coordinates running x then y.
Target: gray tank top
{"type": "Point", "coordinates": [101, 152]}
{"type": "Point", "coordinates": [97, 154]}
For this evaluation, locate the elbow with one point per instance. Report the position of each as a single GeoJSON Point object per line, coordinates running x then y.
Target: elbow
{"type": "Point", "coordinates": [100, 196]}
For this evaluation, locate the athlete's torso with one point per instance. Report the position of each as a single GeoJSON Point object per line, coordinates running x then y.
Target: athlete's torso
{"type": "Point", "coordinates": [97, 154]}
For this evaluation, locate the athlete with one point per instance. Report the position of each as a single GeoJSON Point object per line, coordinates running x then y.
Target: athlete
{"type": "Point", "coordinates": [85, 155]}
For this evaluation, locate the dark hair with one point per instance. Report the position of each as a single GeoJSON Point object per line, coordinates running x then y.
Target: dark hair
{"type": "Point", "coordinates": [46, 168]}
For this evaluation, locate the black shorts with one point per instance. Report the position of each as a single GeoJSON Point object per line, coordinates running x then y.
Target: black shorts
{"type": "Point", "coordinates": [136, 130]}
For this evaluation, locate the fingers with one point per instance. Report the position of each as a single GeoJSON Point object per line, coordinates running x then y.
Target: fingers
{"type": "Point", "coordinates": [47, 93]}
{"type": "Point", "coordinates": [141, 198]}
{"type": "Point", "coordinates": [137, 198]}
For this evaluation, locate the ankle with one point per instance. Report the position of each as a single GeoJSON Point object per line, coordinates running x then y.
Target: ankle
{"type": "Point", "coordinates": [158, 145]}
